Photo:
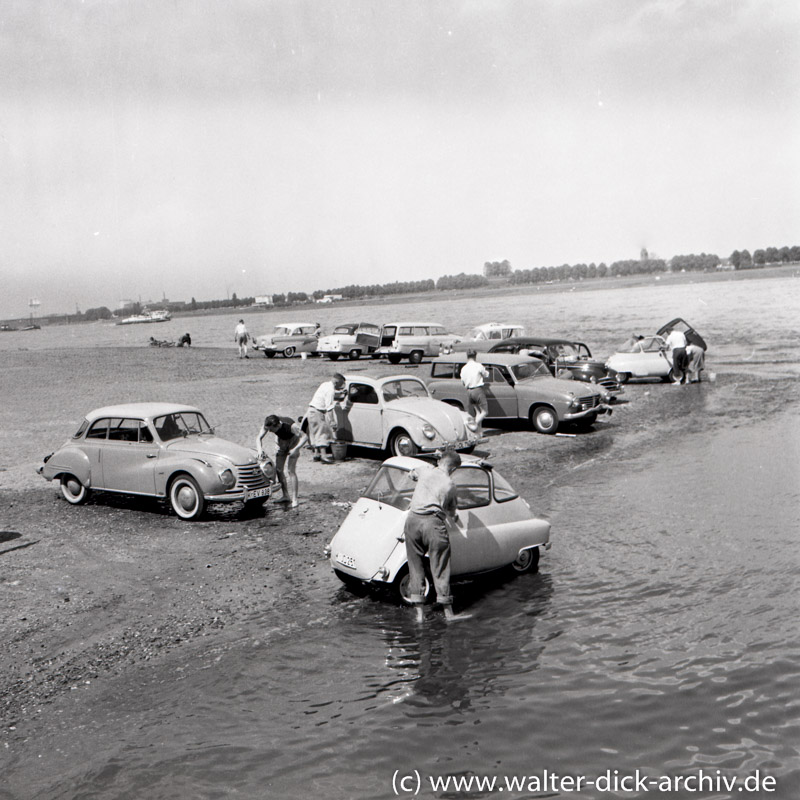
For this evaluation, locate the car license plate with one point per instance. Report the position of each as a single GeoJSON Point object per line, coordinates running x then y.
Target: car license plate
{"type": "Point", "coordinates": [263, 492]}
{"type": "Point", "coordinates": [347, 561]}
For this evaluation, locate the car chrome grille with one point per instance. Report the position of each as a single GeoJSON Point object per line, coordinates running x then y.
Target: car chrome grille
{"type": "Point", "coordinates": [250, 476]}
{"type": "Point", "coordinates": [589, 402]}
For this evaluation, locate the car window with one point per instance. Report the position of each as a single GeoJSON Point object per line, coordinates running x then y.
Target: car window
{"type": "Point", "coordinates": [420, 331]}
{"type": "Point", "coordinates": [99, 429]}
{"type": "Point", "coordinates": [184, 423]}
{"type": "Point", "coordinates": [281, 330]}
{"type": "Point", "coordinates": [406, 330]}
{"type": "Point", "coordinates": [443, 370]}
{"type": "Point", "coordinates": [505, 348]}
{"type": "Point", "coordinates": [373, 329]}
{"type": "Point", "coordinates": [652, 344]}
{"type": "Point", "coordinates": [530, 369]}
{"type": "Point", "coordinates": [502, 489]}
{"type": "Point", "coordinates": [392, 486]}
{"type": "Point", "coordinates": [83, 427]}
{"type": "Point", "coordinates": [472, 487]}
{"type": "Point", "coordinates": [362, 393]}
{"type": "Point", "coordinates": [393, 390]}
{"type": "Point", "coordinates": [437, 330]}
{"type": "Point", "coordinates": [344, 329]}
{"type": "Point", "coordinates": [124, 430]}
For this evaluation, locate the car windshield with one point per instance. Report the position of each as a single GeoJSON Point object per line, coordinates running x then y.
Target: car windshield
{"type": "Point", "coordinates": [407, 387]}
{"type": "Point", "coordinates": [530, 369]}
{"type": "Point", "coordinates": [570, 351]}
{"type": "Point", "coordinates": [392, 486]}
{"type": "Point", "coordinates": [183, 423]}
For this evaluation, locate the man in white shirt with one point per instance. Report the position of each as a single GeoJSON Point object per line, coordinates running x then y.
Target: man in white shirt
{"type": "Point", "coordinates": [676, 342]}
{"type": "Point", "coordinates": [240, 336]}
{"type": "Point", "coordinates": [472, 375]}
{"type": "Point", "coordinates": [321, 418]}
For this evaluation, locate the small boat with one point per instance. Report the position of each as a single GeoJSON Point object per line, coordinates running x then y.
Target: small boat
{"type": "Point", "coordinates": [146, 316]}
{"type": "Point", "coordinates": [33, 327]}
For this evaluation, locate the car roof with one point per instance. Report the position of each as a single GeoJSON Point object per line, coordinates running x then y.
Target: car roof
{"type": "Point", "coordinates": [139, 410]}
{"type": "Point", "coordinates": [427, 323]}
{"type": "Point", "coordinates": [355, 324]}
{"type": "Point", "coordinates": [409, 463]}
{"type": "Point", "coordinates": [295, 324]}
{"type": "Point", "coordinates": [381, 381]}
{"type": "Point", "coordinates": [506, 359]}
{"type": "Point", "coordinates": [543, 340]}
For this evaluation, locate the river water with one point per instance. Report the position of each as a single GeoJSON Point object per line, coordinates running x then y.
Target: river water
{"type": "Point", "coordinates": [660, 635]}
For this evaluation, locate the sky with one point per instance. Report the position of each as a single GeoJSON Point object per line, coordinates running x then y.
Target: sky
{"type": "Point", "coordinates": [200, 148]}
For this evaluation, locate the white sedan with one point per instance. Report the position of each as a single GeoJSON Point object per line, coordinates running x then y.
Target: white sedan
{"type": "Point", "coordinates": [495, 528]}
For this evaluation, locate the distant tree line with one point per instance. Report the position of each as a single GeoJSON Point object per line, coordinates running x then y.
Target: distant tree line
{"type": "Point", "coordinates": [742, 259]}
{"type": "Point", "coordinates": [398, 287]}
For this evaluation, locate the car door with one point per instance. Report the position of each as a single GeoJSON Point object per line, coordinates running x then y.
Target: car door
{"type": "Point", "coordinates": [653, 361]}
{"type": "Point", "coordinates": [363, 422]}
{"type": "Point", "coordinates": [474, 543]}
{"type": "Point", "coordinates": [129, 457]}
{"type": "Point", "coordinates": [93, 445]}
{"type": "Point", "coordinates": [501, 395]}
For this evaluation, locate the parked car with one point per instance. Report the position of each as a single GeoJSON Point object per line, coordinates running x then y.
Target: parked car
{"type": "Point", "coordinates": [486, 336]}
{"type": "Point", "coordinates": [650, 357]}
{"type": "Point", "coordinates": [354, 339]}
{"type": "Point", "coordinates": [496, 528]}
{"type": "Point", "coordinates": [520, 387]}
{"type": "Point", "coordinates": [414, 341]}
{"type": "Point", "coordinates": [562, 355]}
{"type": "Point", "coordinates": [289, 339]}
{"type": "Point", "coordinates": [396, 413]}
{"type": "Point", "coordinates": [156, 450]}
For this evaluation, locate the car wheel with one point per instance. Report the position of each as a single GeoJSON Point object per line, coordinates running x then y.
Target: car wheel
{"type": "Point", "coordinates": [333, 356]}
{"type": "Point", "coordinates": [73, 490]}
{"type": "Point", "coordinates": [415, 356]}
{"type": "Point", "coordinates": [394, 358]}
{"type": "Point", "coordinates": [354, 354]}
{"type": "Point", "coordinates": [673, 375]}
{"type": "Point", "coordinates": [544, 419]}
{"type": "Point", "coordinates": [288, 352]}
{"type": "Point", "coordinates": [402, 444]}
{"type": "Point", "coordinates": [623, 377]}
{"type": "Point", "coordinates": [526, 561]}
{"type": "Point", "coordinates": [185, 497]}
{"type": "Point", "coordinates": [269, 354]}
{"type": "Point", "coordinates": [401, 587]}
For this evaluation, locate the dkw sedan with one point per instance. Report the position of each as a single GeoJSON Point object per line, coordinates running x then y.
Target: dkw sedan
{"type": "Point", "coordinates": [156, 450]}
{"type": "Point", "coordinates": [495, 528]}
{"type": "Point", "coordinates": [398, 414]}
{"type": "Point", "coordinates": [289, 339]}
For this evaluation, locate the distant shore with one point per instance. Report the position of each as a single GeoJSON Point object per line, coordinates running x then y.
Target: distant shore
{"type": "Point", "coordinates": [587, 285]}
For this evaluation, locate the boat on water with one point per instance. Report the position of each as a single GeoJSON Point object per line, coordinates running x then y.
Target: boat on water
{"type": "Point", "coordinates": [146, 316]}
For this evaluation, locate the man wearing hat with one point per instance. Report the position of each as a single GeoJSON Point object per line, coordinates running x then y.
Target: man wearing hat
{"type": "Point", "coordinates": [472, 375]}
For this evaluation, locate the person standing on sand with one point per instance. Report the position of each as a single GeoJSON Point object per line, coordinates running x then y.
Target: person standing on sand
{"type": "Point", "coordinates": [432, 504]}
{"type": "Point", "coordinates": [240, 336]}
{"type": "Point", "coordinates": [697, 362]}
{"type": "Point", "coordinates": [472, 375]}
{"type": "Point", "coordinates": [291, 439]}
{"type": "Point", "coordinates": [676, 342]}
{"type": "Point", "coordinates": [321, 418]}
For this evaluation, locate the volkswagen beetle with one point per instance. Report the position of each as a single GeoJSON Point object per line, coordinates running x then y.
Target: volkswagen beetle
{"type": "Point", "coordinates": [156, 450]}
{"type": "Point", "coordinates": [496, 527]}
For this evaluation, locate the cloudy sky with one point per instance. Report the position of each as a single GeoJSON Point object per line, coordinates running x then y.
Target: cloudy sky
{"type": "Point", "coordinates": [198, 148]}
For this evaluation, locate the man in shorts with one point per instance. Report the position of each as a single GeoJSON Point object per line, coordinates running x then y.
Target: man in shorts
{"type": "Point", "coordinates": [240, 336]}
{"type": "Point", "coordinates": [321, 416]}
{"type": "Point", "coordinates": [432, 504]}
{"type": "Point", "coordinates": [472, 375]}
{"type": "Point", "coordinates": [290, 440]}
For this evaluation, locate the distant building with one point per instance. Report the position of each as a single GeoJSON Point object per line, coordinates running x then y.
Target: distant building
{"type": "Point", "coordinates": [330, 298]}
{"type": "Point", "coordinates": [263, 300]}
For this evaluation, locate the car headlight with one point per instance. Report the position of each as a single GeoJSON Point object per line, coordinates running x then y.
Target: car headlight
{"type": "Point", "coordinates": [429, 431]}
{"type": "Point", "coordinates": [228, 478]}
{"type": "Point", "coordinates": [574, 402]}
{"type": "Point", "coordinates": [471, 424]}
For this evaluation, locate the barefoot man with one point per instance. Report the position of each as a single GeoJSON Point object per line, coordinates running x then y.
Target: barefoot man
{"type": "Point", "coordinates": [433, 502]}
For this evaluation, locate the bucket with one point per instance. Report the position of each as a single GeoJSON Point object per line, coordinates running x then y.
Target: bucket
{"type": "Point", "coordinates": [338, 450]}
{"type": "Point", "coordinates": [304, 356]}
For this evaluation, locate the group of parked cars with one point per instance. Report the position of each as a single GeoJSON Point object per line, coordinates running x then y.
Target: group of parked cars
{"type": "Point", "coordinates": [170, 451]}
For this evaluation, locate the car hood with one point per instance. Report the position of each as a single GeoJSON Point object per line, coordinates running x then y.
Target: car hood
{"type": "Point", "coordinates": [559, 385]}
{"type": "Point", "coordinates": [447, 419]}
{"type": "Point", "coordinates": [206, 445]}
{"type": "Point", "coordinates": [367, 538]}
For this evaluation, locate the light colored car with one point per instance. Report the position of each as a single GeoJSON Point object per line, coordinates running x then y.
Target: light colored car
{"type": "Point", "coordinates": [156, 450]}
{"type": "Point", "coordinates": [495, 529]}
{"type": "Point", "coordinates": [520, 387]}
{"type": "Point", "coordinates": [485, 336]}
{"type": "Point", "coordinates": [414, 341]}
{"type": "Point", "coordinates": [397, 413]}
{"type": "Point", "coordinates": [353, 339]}
{"type": "Point", "coordinates": [289, 339]}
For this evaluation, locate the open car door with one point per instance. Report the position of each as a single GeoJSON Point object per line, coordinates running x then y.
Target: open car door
{"type": "Point", "coordinates": [692, 336]}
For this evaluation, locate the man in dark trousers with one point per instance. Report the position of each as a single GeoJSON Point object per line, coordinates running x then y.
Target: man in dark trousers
{"type": "Point", "coordinates": [433, 502]}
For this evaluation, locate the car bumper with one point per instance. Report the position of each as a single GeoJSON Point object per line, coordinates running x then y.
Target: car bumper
{"type": "Point", "coordinates": [594, 411]}
{"type": "Point", "coordinates": [432, 447]}
{"type": "Point", "coordinates": [242, 495]}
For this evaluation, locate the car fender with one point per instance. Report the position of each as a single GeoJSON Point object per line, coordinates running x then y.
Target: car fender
{"type": "Point", "coordinates": [204, 471]}
{"type": "Point", "coordinates": [395, 420]}
{"type": "Point", "coordinates": [72, 460]}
